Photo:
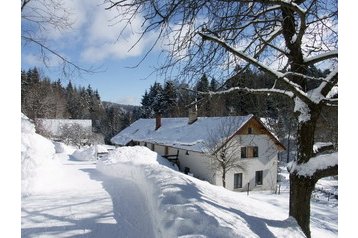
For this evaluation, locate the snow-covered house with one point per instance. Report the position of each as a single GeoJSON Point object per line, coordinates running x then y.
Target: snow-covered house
{"type": "Point", "coordinates": [54, 126]}
{"type": "Point", "coordinates": [193, 144]}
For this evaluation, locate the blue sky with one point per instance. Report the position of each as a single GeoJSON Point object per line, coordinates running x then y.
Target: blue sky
{"type": "Point", "coordinates": [93, 40]}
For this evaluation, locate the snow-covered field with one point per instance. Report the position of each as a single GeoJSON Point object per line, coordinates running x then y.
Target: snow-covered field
{"type": "Point", "coordinates": [135, 193]}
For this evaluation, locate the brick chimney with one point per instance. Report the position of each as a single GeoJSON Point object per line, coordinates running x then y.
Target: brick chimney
{"type": "Point", "coordinates": [193, 114]}
{"type": "Point", "coordinates": [158, 121]}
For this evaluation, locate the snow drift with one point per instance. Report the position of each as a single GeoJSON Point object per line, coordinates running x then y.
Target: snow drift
{"type": "Point", "coordinates": [41, 169]}
{"type": "Point", "coordinates": [85, 154]}
{"type": "Point", "coordinates": [36, 157]}
{"type": "Point", "coordinates": [182, 206]}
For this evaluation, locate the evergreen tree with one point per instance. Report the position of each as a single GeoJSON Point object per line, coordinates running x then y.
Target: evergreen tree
{"type": "Point", "coordinates": [170, 98]}
{"type": "Point", "coordinates": [158, 103]}
{"type": "Point", "coordinates": [146, 105]}
{"type": "Point", "coordinates": [203, 84]}
{"type": "Point", "coordinates": [213, 85]}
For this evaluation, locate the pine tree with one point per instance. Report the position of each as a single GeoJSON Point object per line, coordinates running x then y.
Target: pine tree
{"type": "Point", "coordinates": [170, 98]}
{"type": "Point", "coordinates": [203, 84]}
{"type": "Point", "coordinates": [213, 85]}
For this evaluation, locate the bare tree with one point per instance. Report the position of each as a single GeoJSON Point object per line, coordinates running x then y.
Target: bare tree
{"type": "Point", "coordinates": [38, 19]}
{"type": "Point", "coordinates": [75, 134]}
{"type": "Point", "coordinates": [281, 38]}
{"type": "Point", "coordinates": [223, 150]}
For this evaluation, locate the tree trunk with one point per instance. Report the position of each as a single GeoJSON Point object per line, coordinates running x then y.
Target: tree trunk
{"type": "Point", "coordinates": [300, 201]}
{"type": "Point", "coordinates": [301, 187]}
{"type": "Point", "coordinates": [223, 178]}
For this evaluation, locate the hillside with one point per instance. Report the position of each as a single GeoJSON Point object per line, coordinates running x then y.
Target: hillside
{"type": "Point", "coordinates": [122, 107]}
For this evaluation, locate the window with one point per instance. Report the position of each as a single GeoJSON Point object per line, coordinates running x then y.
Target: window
{"type": "Point", "coordinates": [166, 150]}
{"type": "Point", "coordinates": [255, 151]}
{"type": "Point", "coordinates": [238, 180]}
{"type": "Point", "coordinates": [153, 147]}
{"type": "Point", "coordinates": [243, 152]}
{"type": "Point", "coordinates": [249, 152]}
{"type": "Point", "coordinates": [145, 144]}
{"type": "Point", "coordinates": [259, 177]}
{"type": "Point", "coordinates": [249, 130]}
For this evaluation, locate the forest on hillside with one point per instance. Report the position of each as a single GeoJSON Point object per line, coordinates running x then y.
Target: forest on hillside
{"type": "Point", "coordinates": [42, 97]}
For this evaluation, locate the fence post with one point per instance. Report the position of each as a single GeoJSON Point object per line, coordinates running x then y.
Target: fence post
{"type": "Point", "coordinates": [279, 189]}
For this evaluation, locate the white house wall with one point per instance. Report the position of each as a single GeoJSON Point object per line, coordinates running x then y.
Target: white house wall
{"type": "Point", "coordinates": [199, 163]}
{"type": "Point", "coordinates": [266, 161]}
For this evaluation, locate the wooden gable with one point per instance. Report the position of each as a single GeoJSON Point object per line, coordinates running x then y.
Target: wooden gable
{"type": "Point", "coordinates": [255, 127]}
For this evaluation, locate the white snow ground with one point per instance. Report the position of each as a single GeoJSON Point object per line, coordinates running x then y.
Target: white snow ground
{"type": "Point", "coordinates": [133, 193]}
{"type": "Point", "coordinates": [159, 203]}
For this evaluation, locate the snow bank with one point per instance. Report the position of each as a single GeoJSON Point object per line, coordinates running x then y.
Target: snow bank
{"type": "Point", "coordinates": [183, 206]}
{"type": "Point", "coordinates": [85, 154]}
{"type": "Point", "coordinates": [36, 158]}
{"type": "Point", "coordinates": [41, 169]}
{"type": "Point", "coordinates": [63, 148]}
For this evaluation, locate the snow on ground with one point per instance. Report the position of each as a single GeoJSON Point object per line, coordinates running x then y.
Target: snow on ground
{"type": "Point", "coordinates": [133, 192]}
{"type": "Point", "coordinates": [182, 206]}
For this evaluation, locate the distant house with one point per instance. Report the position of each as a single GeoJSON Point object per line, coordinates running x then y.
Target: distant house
{"type": "Point", "coordinates": [54, 127]}
{"type": "Point", "coordinates": [189, 143]}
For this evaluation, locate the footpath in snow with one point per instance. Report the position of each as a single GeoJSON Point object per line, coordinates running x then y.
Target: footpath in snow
{"type": "Point", "coordinates": [92, 205]}
{"type": "Point", "coordinates": [62, 197]}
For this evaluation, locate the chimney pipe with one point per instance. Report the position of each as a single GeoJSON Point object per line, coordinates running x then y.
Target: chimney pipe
{"type": "Point", "coordinates": [158, 121]}
{"type": "Point", "coordinates": [193, 114]}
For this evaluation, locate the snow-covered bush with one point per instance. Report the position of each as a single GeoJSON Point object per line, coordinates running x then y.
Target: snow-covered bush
{"type": "Point", "coordinates": [85, 154]}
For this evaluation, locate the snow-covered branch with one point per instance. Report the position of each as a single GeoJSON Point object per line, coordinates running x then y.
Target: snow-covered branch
{"type": "Point", "coordinates": [251, 90]}
{"type": "Point", "coordinates": [321, 57]}
{"type": "Point", "coordinates": [321, 94]}
{"type": "Point", "coordinates": [317, 166]}
{"type": "Point", "coordinates": [330, 81]}
{"type": "Point", "coordinates": [293, 87]}
{"type": "Point", "coordinates": [288, 4]}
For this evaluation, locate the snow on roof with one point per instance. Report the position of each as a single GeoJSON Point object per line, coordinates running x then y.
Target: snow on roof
{"type": "Point", "coordinates": [54, 125]}
{"type": "Point", "coordinates": [177, 132]}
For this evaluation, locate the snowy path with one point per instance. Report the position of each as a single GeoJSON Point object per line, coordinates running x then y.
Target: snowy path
{"type": "Point", "coordinates": [93, 206]}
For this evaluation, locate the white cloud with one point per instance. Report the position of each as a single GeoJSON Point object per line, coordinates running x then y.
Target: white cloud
{"type": "Point", "coordinates": [95, 33]}
{"type": "Point", "coordinates": [35, 59]}
{"type": "Point", "coordinates": [105, 37]}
